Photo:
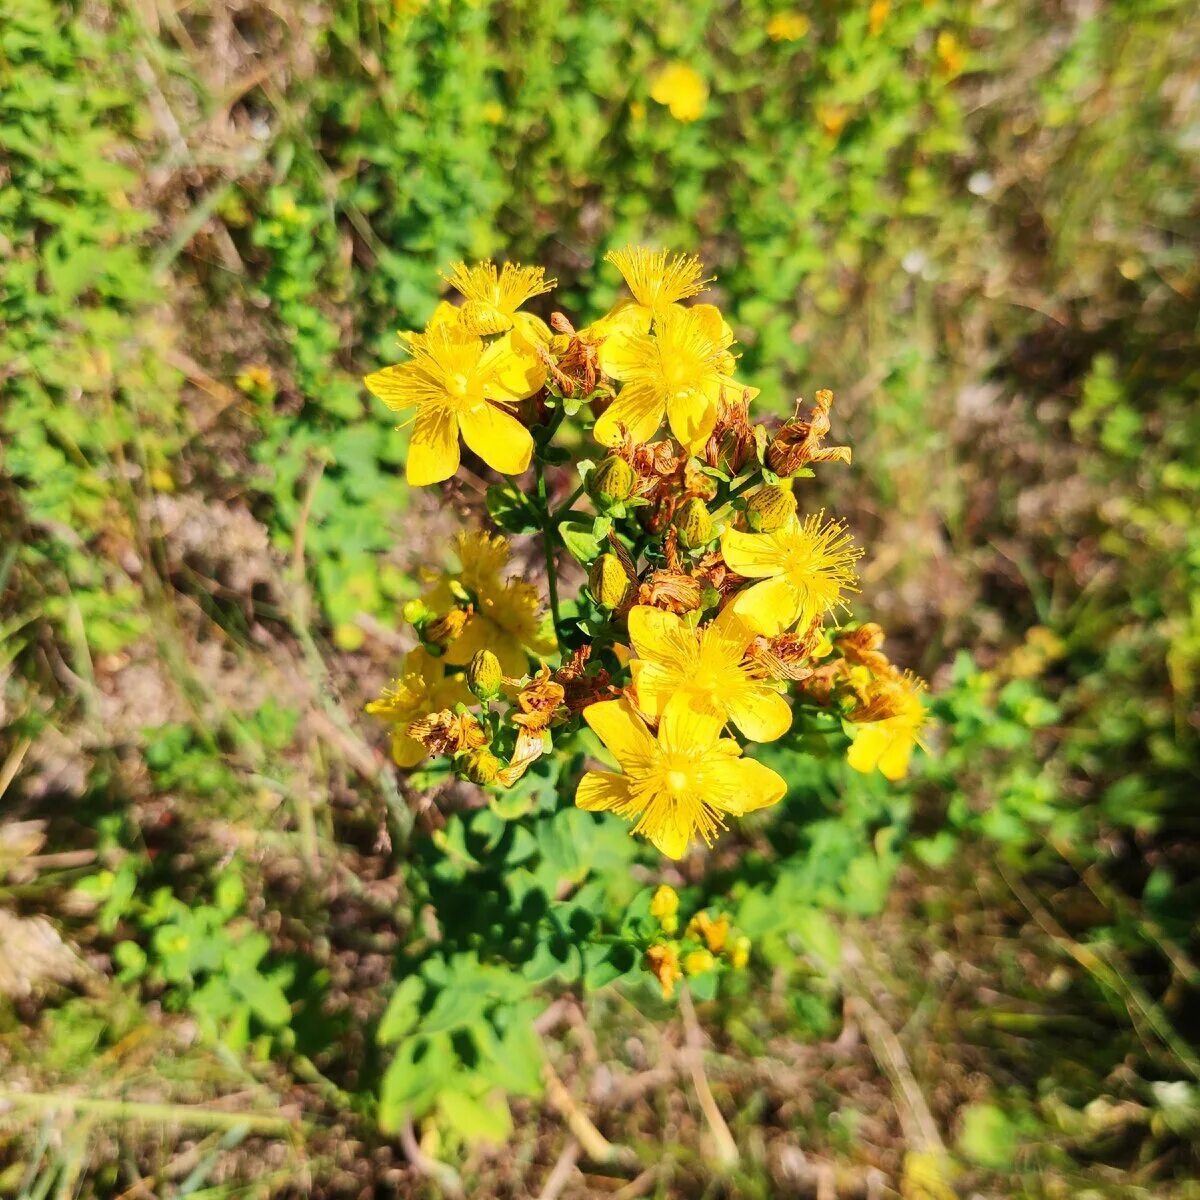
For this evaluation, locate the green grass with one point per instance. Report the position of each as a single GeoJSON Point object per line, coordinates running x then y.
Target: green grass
{"type": "Point", "coordinates": [211, 224]}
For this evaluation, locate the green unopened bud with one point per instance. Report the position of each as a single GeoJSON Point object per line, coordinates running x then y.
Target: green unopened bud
{"type": "Point", "coordinates": [694, 524]}
{"type": "Point", "coordinates": [481, 766]}
{"type": "Point", "coordinates": [739, 954]}
{"type": "Point", "coordinates": [416, 613]}
{"type": "Point", "coordinates": [770, 508]}
{"type": "Point", "coordinates": [612, 481]}
{"type": "Point", "coordinates": [609, 582]}
{"type": "Point", "coordinates": [484, 675]}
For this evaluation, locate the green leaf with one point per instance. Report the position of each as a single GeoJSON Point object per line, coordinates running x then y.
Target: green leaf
{"type": "Point", "coordinates": [476, 1119]}
{"type": "Point", "coordinates": [266, 998]}
{"type": "Point", "coordinates": [989, 1137]}
{"type": "Point", "coordinates": [510, 510]}
{"type": "Point", "coordinates": [580, 541]}
{"type": "Point", "coordinates": [403, 1011]}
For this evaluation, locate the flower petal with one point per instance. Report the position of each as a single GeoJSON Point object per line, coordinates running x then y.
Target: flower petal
{"type": "Point", "coordinates": [392, 385]}
{"type": "Point", "coordinates": [640, 409]}
{"type": "Point", "coordinates": [671, 837]}
{"type": "Point", "coordinates": [653, 684]}
{"type": "Point", "coordinates": [770, 607]}
{"type": "Point", "coordinates": [511, 369]}
{"type": "Point", "coordinates": [407, 752]}
{"type": "Point", "coordinates": [754, 555]}
{"type": "Point", "coordinates": [655, 633]}
{"type": "Point", "coordinates": [759, 712]}
{"type": "Point", "coordinates": [602, 791]}
{"type": "Point", "coordinates": [692, 415]}
{"type": "Point", "coordinates": [433, 451]}
{"type": "Point", "coordinates": [687, 726]}
{"type": "Point", "coordinates": [754, 786]}
{"type": "Point", "coordinates": [623, 732]}
{"type": "Point", "coordinates": [498, 438]}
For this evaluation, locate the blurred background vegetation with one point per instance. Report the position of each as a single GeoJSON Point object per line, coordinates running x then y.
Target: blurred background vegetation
{"type": "Point", "coordinates": [976, 222]}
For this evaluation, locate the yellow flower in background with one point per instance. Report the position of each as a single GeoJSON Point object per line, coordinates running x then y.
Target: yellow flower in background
{"type": "Point", "coordinates": [459, 385]}
{"type": "Point", "coordinates": [832, 118]}
{"type": "Point", "coordinates": [705, 666]}
{"type": "Point", "coordinates": [787, 27]}
{"type": "Point", "coordinates": [493, 298]}
{"type": "Point", "coordinates": [505, 616]}
{"type": "Point", "coordinates": [682, 89]}
{"type": "Point", "coordinates": [950, 53]}
{"type": "Point", "coordinates": [423, 688]}
{"type": "Point", "coordinates": [888, 744]}
{"type": "Point", "coordinates": [679, 783]}
{"type": "Point", "coordinates": [665, 902]}
{"type": "Point", "coordinates": [662, 961]}
{"type": "Point", "coordinates": [493, 112]}
{"type": "Point", "coordinates": [877, 15]}
{"type": "Point", "coordinates": [678, 372]}
{"type": "Point", "coordinates": [803, 570]}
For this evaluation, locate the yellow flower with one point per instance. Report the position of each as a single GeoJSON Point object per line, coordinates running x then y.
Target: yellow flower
{"type": "Point", "coordinates": [505, 616]}
{"type": "Point", "coordinates": [706, 667]}
{"type": "Point", "coordinates": [459, 385]}
{"type": "Point", "coordinates": [787, 27]}
{"type": "Point", "coordinates": [493, 112]}
{"type": "Point", "coordinates": [656, 281]}
{"type": "Point", "coordinates": [877, 15]}
{"type": "Point", "coordinates": [493, 298]}
{"type": "Point", "coordinates": [832, 118]}
{"type": "Point", "coordinates": [681, 782]}
{"type": "Point", "coordinates": [713, 932]}
{"type": "Point", "coordinates": [951, 56]}
{"type": "Point", "coordinates": [664, 902]}
{"type": "Point", "coordinates": [679, 372]}
{"type": "Point", "coordinates": [682, 89]}
{"type": "Point", "coordinates": [423, 688]}
{"type": "Point", "coordinates": [662, 961]}
{"type": "Point", "coordinates": [888, 744]}
{"type": "Point", "coordinates": [697, 962]}
{"type": "Point", "coordinates": [802, 568]}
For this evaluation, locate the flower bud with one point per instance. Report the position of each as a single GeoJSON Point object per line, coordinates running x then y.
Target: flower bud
{"type": "Point", "coordinates": [694, 524]}
{"type": "Point", "coordinates": [769, 508]}
{"type": "Point", "coordinates": [739, 955]}
{"type": "Point", "coordinates": [612, 481]}
{"type": "Point", "coordinates": [665, 902]}
{"type": "Point", "coordinates": [481, 766]}
{"type": "Point", "coordinates": [445, 629]}
{"type": "Point", "coordinates": [415, 612]}
{"type": "Point", "coordinates": [662, 961]}
{"type": "Point", "coordinates": [609, 582]}
{"type": "Point", "coordinates": [713, 932]}
{"type": "Point", "coordinates": [697, 962]}
{"type": "Point", "coordinates": [484, 675]}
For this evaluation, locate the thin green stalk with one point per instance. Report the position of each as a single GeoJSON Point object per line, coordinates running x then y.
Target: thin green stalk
{"type": "Point", "coordinates": [548, 548]}
{"type": "Point", "coordinates": [565, 506]}
{"type": "Point", "coordinates": [135, 1110]}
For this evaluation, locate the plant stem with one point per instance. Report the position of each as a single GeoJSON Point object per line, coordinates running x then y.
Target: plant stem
{"type": "Point", "coordinates": [548, 548]}
{"type": "Point", "coordinates": [727, 1151]}
{"type": "Point", "coordinates": [151, 1113]}
{"type": "Point", "coordinates": [565, 506]}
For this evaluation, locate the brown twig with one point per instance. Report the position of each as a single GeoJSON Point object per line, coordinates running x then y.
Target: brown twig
{"type": "Point", "coordinates": [444, 1175]}
{"type": "Point", "coordinates": [595, 1145]}
{"type": "Point", "coordinates": [727, 1151]}
{"type": "Point", "coordinates": [563, 1170]}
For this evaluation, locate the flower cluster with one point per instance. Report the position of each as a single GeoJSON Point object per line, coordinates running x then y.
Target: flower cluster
{"type": "Point", "coordinates": [693, 607]}
{"type": "Point", "coordinates": [708, 943]}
